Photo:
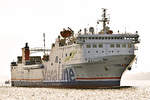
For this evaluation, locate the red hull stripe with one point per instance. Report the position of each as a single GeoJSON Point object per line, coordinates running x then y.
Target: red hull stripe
{"type": "Point", "coordinates": [98, 78]}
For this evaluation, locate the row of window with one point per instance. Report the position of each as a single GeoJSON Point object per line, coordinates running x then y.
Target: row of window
{"type": "Point", "coordinates": [111, 45]}
{"type": "Point", "coordinates": [94, 45]}
{"type": "Point", "coordinates": [107, 51]}
{"type": "Point", "coordinates": [90, 38]}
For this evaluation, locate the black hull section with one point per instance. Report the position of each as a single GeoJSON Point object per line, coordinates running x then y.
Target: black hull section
{"type": "Point", "coordinates": [76, 84]}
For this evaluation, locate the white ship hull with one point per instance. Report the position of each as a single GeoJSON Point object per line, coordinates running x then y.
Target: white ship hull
{"type": "Point", "coordinates": [86, 75]}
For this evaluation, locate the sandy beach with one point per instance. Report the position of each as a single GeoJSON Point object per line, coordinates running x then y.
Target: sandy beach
{"type": "Point", "coordinates": [136, 92]}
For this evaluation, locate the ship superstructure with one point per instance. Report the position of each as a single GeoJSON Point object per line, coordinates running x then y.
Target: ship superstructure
{"type": "Point", "coordinates": [84, 60]}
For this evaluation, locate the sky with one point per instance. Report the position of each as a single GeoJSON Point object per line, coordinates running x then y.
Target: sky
{"type": "Point", "coordinates": [24, 21]}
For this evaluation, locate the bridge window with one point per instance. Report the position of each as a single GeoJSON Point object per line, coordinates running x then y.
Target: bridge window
{"type": "Point", "coordinates": [118, 45]}
{"type": "Point", "coordinates": [94, 46]}
{"type": "Point", "coordinates": [112, 45]}
{"type": "Point", "coordinates": [100, 45]}
{"type": "Point", "coordinates": [88, 46]}
{"type": "Point", "coordinates": [123, 45]}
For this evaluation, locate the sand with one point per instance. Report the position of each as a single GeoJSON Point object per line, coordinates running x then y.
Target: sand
{"type": "Point", "coordinates": [141, 91]}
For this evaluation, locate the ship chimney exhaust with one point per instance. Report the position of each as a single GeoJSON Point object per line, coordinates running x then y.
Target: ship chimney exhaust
{"type": "Point", "coordinates": [26, 54]}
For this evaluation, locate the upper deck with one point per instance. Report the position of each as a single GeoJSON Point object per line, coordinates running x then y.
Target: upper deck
{"type": "Point", "coordinates": [107, 38]}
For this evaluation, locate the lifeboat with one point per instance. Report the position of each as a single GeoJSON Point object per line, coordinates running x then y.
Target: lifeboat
{"type": "Point", "coordinates": [66, 33]}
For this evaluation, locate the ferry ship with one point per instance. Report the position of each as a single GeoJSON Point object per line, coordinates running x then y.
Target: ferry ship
{"type": "Point", "coordinates": [86, 59]}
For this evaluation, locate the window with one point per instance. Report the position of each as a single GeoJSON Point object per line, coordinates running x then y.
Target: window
{"type": "Point", "coordinates": [56, 59]}
{"type": "Point", "coordinates": [99, 37]}
{"type": "Point", "coordinates": [100, 45]}
{"type": "Point", "coordinates": [123, 45]}
{"type": "Point", "coordinates": [118, 45]}
{"type": "Point", "coordinates": [90, 38]}
{"type": "Point", "coordinates": [96, 51]}
{"type": "Point", "coordinates": [112, 45]}
{"type": "Point", "coordinates": [66, 54]}
{"type": "Point", "coordinates": [88, 51]}
{"type": "Point", "coordinates": [94, 46]}
{"type": "Point", "coordinates": [88, 46]}
{"type": "Point", "coordinates": [70, 54]}
{"type": "Point", "coordinates": [129, 45]}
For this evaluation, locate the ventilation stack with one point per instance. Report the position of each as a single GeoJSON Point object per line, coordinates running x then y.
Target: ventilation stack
{"type": "Point", "coordinates": [26, 54]}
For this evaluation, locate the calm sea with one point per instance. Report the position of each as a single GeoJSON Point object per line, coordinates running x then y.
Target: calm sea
{"type": "Point", "coordinates": [140, 90]}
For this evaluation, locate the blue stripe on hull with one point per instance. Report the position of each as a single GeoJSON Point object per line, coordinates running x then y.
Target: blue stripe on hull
{"type": "Point", "coordinates": [76, 84]}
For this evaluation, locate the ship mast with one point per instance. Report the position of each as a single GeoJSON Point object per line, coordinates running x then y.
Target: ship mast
{"type": "Point", "coordinates": [104, 20]}
{"type": "Point", "coordinates": [44, 42]}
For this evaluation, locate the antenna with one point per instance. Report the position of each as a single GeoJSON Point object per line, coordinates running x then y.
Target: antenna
{"type": "Point", "coordinates": [104, 20]}
{"type": "Point", "coordinates": [44, 42]}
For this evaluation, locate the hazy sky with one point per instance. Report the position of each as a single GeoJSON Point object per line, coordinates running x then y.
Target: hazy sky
{"type": "Point", "coordinates": [25, 21]}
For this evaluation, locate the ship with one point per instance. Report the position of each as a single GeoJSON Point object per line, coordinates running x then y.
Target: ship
{"type": "Point", "coordinates": [87, 59]}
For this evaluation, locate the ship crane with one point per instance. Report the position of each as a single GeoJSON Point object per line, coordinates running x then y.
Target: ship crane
{"type": "Point", "coordinates": [39, 49]}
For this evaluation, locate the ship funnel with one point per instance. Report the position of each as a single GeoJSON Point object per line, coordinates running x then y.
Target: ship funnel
{"type": "Point", "coordinates": [26, 54]}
